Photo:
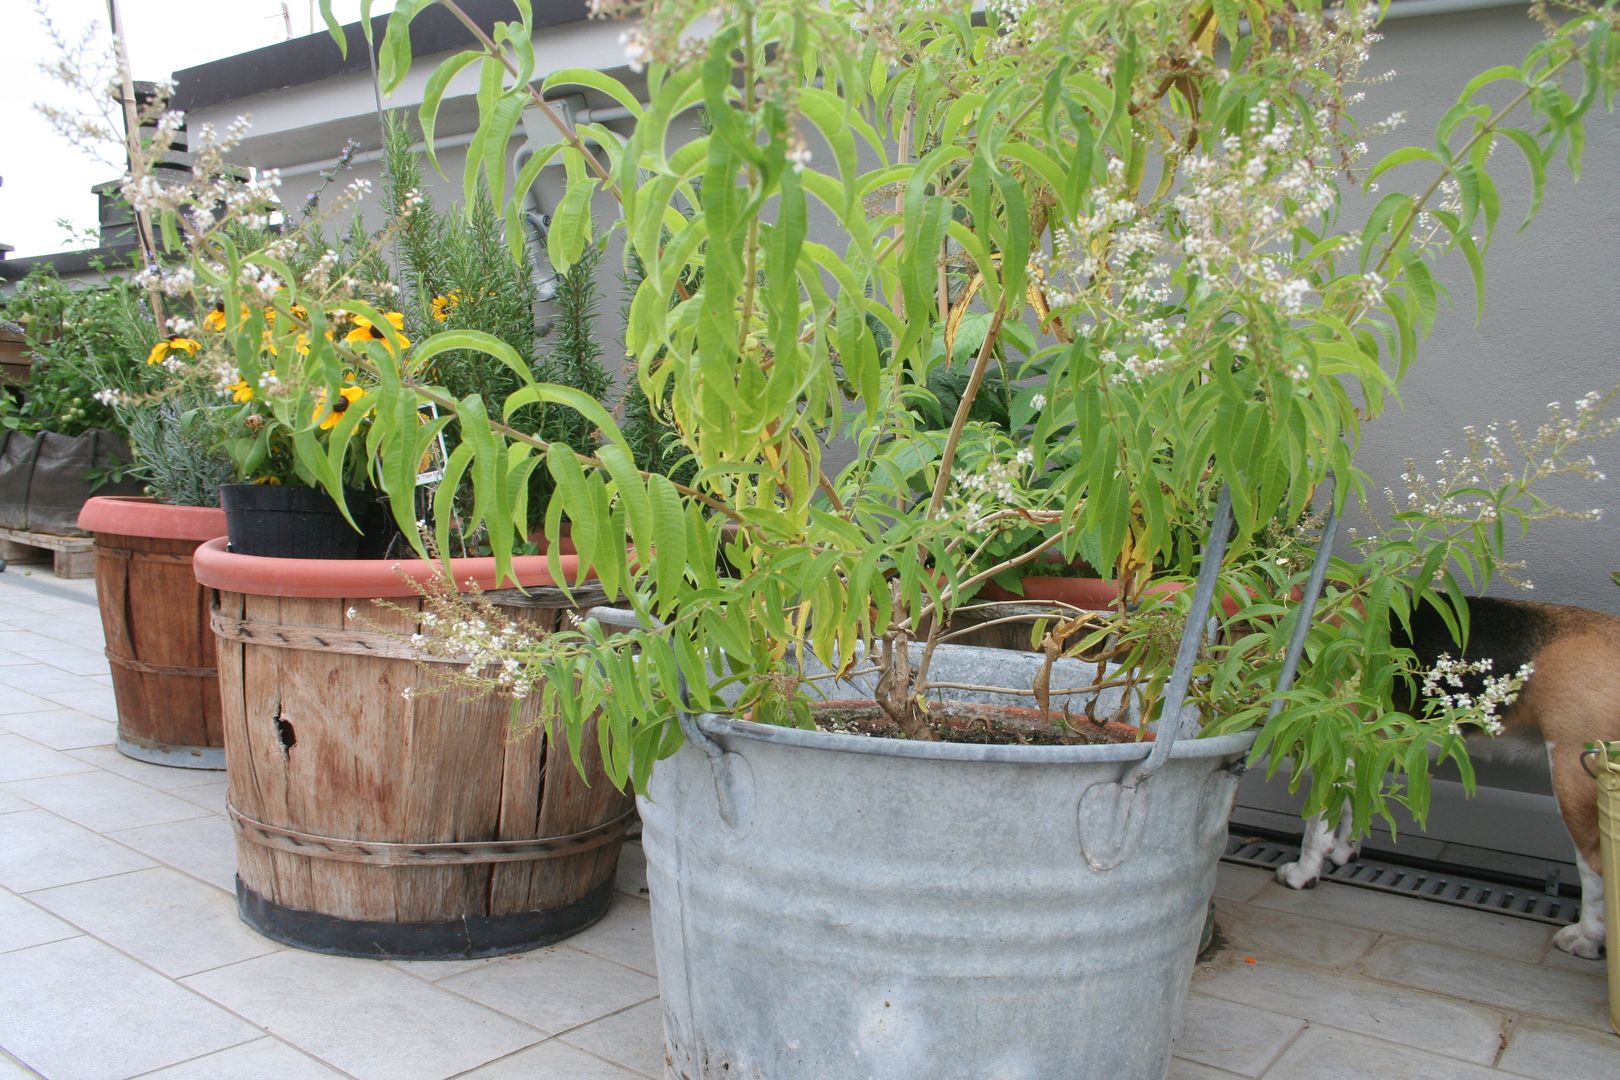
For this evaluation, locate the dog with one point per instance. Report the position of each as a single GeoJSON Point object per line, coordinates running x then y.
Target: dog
{"type": "Point", "coordinates": [1571, 698]}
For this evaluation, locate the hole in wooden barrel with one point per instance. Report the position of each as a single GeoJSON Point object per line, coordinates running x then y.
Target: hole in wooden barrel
{"type": "Point", "coordinates": [285, 735]}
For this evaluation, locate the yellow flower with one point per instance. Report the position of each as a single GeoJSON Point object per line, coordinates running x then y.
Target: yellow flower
{"type": "Point", "coordinates": [172, 343]}
{"type": "Point", "coordinates": [365, 331]}
{"type": "Point", "coordinates": [240, 390]}
{"type": "Point", "coordinates": [215, 319]}
{"type": "Point", "coordinates": [444, 305]}
{"type": "Point", "coordinates": [346, 397]}
{"type": "Point", "coordinates": [301, 344]}
{"type": "Point", "coordinates": [299, 312]}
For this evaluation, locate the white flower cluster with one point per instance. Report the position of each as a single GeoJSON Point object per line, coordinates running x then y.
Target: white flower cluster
{"type": "Point", "coordinates": [1446, 686]}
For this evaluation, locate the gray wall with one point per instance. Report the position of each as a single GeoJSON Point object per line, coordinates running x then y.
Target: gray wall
{"type": "Point", "coordinates": [1551, 329]}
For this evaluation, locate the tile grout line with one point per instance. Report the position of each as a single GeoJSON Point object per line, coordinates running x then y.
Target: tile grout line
{"type": "Point", "coordinates": [112, 838]}
{"type": "Point", "coordinates": [226, 1049]}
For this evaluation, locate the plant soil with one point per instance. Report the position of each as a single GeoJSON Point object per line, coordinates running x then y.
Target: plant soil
{"type": "Point", "coordinates": [996, 725]}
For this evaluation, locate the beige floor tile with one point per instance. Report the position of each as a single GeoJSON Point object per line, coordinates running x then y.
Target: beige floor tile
{"type": "Point", "coordinates": [363, 1017]}
{"type": "Point", "coordinates": [1492, 981]}
{"type": "Point", "coordinates": [1519, 939]}
{"type": "Point", "coordinates": [1234, 882]}
{"type": "Point", "coordinates": [208, 796]}
{"type": "Point", "coordinates": [624, 935]}
{"type": "Point", "coordinates": [162, 777]}
{"type": "Point", "coordinates": [41, 679]}
{"type": "Point", "coordinates": [1347, 1001]}
{"type": "Point", "coordinates": [1277, 935]}
{"type": "Point", "coordinates": [13, 700]}
{"type": "Point", "coordinates": [104, 802]}
{"type": "Point", "coordinates": [633, 1038]}
{"type": "Point", "coordinates": [12, 1069]}
{"type": "Point", "coordinates": [25, 759]}
{"type": "Point", "coordinates": [203, 847]}
{"type": "Point", "coordinates": [61, 729]}
{"type": "Point", "coordinates": [1181, 1069]}
{"type": "Point", "coordinates": [632, 876]}
{"type": "Point", "coordinates": [554, 1061]}
{"type": "Point", "coordinates": [161, 917]}
{"type": "Point", "coordinates": [39, 850]}
{"type": "Point", "coordinates": [1323, 1053]}
{"type": "Point", "coordinates": [263, 1059]}
{"type": "Point", "coordinates": [71, 659]}
{"type": "Point", "coordinates": [1233, 1037]}
{"type": "Point", "coordinates": [554, 989]}
{"type": "Point", "coordinates": [1536, 1047]}
{"type": "Point", "coordinates": [23, 925]}
{"type": "Point", "coordinates": [435, 970]}
{"type": "Point", "coordinates": [95, 699]}
{"type": "Point", "coordinates": [78, 1009]}
{"type": "Point", "coordinates": [1563, 961]}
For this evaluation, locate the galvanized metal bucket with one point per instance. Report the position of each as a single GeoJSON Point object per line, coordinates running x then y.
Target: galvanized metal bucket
{"type": "Point", "coordinates": [838, 907]}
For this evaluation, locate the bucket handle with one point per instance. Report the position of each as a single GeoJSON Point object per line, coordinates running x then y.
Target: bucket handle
{"type": "Point", "coordinates": [1109, 824]}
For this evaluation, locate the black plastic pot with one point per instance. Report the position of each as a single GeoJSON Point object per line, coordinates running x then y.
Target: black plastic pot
{"type": "Point", "coordinates": [286, 522]}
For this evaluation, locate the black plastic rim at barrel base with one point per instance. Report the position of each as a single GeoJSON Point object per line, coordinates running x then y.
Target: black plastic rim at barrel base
{"type": "Point", "coordinates": [463, 939]}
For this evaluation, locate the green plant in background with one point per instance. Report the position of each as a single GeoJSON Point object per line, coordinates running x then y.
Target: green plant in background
{"type": "Point", "coordinates": [72, 331]}
{"type": "Point", "coordinates": [179, 446]}
{"type": "Point", "coordinates": [459, 273]}
{"type": "Point", "coordinates": [654, 443]}
{"type": "Point", "coordinates": [1153, 233]}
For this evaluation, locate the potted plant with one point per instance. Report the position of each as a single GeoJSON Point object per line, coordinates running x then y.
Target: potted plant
{"type": "Point", "coordinates": [875, 890]}
{"type": "Point", "coordinates": [374, 817]}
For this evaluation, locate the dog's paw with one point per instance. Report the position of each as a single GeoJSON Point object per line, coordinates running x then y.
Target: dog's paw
{"type": "Point", "coordinates": [1295, 876]}
{"type": "Point", "coordinates": [1343, 852]}
{"type": "Point", "coordinates": [1579, 940]}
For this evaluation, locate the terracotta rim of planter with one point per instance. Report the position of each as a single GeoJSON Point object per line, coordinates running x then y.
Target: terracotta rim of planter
{"type": "Point", "coordinates": [141, 515]}
{"type": "Point", "coordinates": [257, 575]}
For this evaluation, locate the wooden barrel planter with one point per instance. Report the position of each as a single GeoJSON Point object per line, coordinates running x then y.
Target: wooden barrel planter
{"type": "Point", "coordinates": [155, 617]}
{"type": "Point", "coordinates": [371, 823]}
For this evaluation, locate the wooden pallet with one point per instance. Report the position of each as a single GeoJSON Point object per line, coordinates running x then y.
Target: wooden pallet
{"type": "Point", "coordinates": [71, 556]}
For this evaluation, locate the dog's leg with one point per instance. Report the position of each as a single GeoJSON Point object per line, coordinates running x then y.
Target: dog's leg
{"type": "Point", "coordinates": [1577, 802]}
{"type": "Point", "coordinates": [1344, 848]}
{"type": "Point", "coordinates": [1585, 938]}
{"type": "Point", "coordinates": [1318, 842]}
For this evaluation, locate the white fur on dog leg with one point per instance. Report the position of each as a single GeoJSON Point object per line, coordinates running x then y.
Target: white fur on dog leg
{"type": "Point", "coordinates": [1585, 938]}
{"type": "Point", "coordinates": [1304, 871]}
{"type": "Point", "coordinates": [1344, 849]}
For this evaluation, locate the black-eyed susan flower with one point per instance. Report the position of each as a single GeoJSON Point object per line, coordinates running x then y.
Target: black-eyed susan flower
{"type": "Point", "coordinates": [444, 305]}
{"type": "Point", "coordinates": [240, 390]}
{"type": "Point", "coordinates": [172, 343]}
{"type": "Point", "coordinates": [364, 330]}
{"type": "Point", "coordinates": [346, 397]}
{"type": "Point", "coordinates": [214, 321]}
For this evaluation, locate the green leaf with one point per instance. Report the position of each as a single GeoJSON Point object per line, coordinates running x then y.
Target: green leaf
{"type": "Point", "coordinates": [433, 94]}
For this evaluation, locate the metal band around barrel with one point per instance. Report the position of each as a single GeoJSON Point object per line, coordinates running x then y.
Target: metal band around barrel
{"type": "Point", "coordinates": [142, 666]}
{"type": "Point", "coordinates": [379, 853]}
{"type": "Point", "coordinates": [129, 555]}
{"type": "Point", "coordinates": [321, 639]}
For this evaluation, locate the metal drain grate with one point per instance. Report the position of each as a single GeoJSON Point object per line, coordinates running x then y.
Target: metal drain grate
{"type": "Point", "coordinates": [1420, 882]}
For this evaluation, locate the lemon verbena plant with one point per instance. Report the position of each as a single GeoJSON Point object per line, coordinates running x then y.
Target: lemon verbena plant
{"type": "Point", "coordinates": [1127, 214]}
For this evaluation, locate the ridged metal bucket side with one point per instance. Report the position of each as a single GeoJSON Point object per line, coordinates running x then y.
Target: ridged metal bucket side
{"type": "Point", "coordinates": [836, 908]}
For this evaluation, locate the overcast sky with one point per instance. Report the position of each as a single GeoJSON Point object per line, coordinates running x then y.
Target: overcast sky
{"type": "Point", "coordinates": [46, 179]}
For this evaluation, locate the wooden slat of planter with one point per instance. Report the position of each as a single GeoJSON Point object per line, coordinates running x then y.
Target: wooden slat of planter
{"type": "Point", "coordinates": [244, 679]}
{"type": "Point", "coordinates": [337, 772]}
{"type": "Point", "coordinates": [165, 692]}
{"type": "Point", "coordinates": [430, 803]}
